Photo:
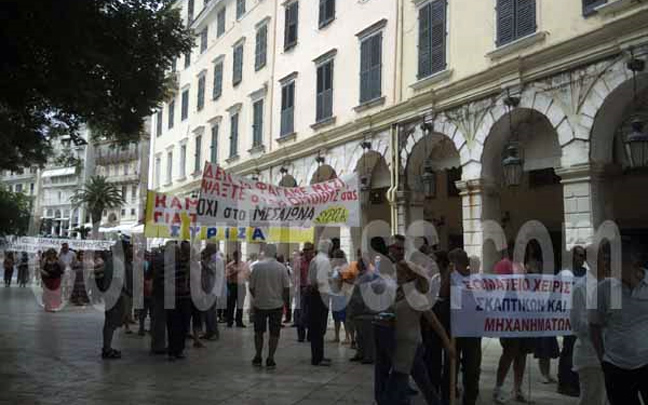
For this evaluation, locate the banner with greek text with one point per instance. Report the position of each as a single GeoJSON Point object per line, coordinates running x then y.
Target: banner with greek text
{"type": "Point", "coordinates": [171, 217]}
{"type": "Point", "coordinates": [228, 199]}
{"type": "Point", "coordinates": [511, 305]}
{"type": "Point", "coordinates": [34, 244]}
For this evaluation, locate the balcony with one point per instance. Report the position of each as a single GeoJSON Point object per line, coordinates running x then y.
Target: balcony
{"type": "Point", "coordinates": [116, 155]}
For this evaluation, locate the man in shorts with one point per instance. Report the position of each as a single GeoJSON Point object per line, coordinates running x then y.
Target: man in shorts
{"type": "Point", "coordinates": [269, 286]}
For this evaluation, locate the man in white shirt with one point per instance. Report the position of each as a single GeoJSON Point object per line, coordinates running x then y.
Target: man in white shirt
{"type": "Point", "coordinates": [620, 334]}
{"type": "Point", "coordinates": [319, 273]}
{"type": "Point", "coordinates": [269, 287]}
{"type": "Point", "coordinates": [66, 257]}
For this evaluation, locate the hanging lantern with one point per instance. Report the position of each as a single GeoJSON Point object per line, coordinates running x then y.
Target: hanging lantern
{"type": "Point", "coordinates": [637, 145]}
{"type": "Point", "coordinates": [428, 178]}
{"type": "Point", "coordinates": [365, 190]}
{"type": "Point", "coordinates": [512, 165]}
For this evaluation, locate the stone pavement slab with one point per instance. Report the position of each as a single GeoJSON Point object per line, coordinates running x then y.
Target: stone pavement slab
{"type": "Point", "coordinates": [53, 358]}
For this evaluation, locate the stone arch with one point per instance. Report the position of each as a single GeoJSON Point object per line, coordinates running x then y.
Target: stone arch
{"type": "Point", "coordinates": [606, 105]}
{"type": "Point", "coordinates": [436, 145]}
{"type": "Point", "coordinates": [538, 137]}
{"type": "Point", "coordinates": [443, 125]}
{"type": "Point", "coordinates": [530, 99]}
{"type": "Point", "coordinates": [379, 146]}
{"type": "Point", "coordinates": [370, 164]}
{"type": "Point", "coordinates": [322, 173]}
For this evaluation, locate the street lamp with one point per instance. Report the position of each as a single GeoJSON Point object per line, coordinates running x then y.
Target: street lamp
{"type": "Point", "coordinates": [512, 163]}
{"type": "Point", "coordinates": [636, 143]}
{"type": "Point", "coordinates": [428, 178]}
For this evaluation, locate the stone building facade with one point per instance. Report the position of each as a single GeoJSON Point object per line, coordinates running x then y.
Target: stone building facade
{"type": "Point", "coordinates": [461, 84]}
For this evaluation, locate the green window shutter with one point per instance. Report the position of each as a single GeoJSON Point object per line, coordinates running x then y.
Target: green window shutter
{"type": "Point", "coordinates": [438, 34]}
{"type": "Point", "coordinates": [424, 46]}
{"type": "Point", "coordinates": [525, 18]}
{"type": "Point", "coordinates": [505, 21]}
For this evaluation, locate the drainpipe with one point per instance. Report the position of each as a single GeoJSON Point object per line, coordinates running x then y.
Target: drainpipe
{"type": "Point", "coordinates": [398, 55]}
{"type": "Point", "coordinates": [271, 85]}
{"type": "Point", "coordinates": [395, 177]}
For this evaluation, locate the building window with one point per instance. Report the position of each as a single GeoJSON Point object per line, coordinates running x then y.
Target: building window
{"type": "Point", "coordinates": [169, 172]}
{"type": "Point", "coordinates": [218, 81]}
{"type": "Point", "coordinates": [134, 193]}
{"type": "Point", "coordinates": [158, 172]}
{"type": "Point", "coordinates": [171, 113]}
{"type": "Point", "coordinates": [190, 12]}
{"type": "Point", "coordinates": [158, 123]}
{"type": "Point", "coordinates": [370, 68]}
{"type": "Point", "coordinates": [200, 104]}
{"type": "Point", "coordinates": [203, 40]}
{"type": "Point", "coordinates": [123, 212]}
{"type": "Point", "coordinates": [214, 144]}
{"type": "Point", "coordinates": [126, 169]}
{"type": "Point", "coordinates": [31, 189]}
{"type": "Point", "coordinates": [515, 19]}
{"type": "Point", "coordinates": [183, 161]}
{"type": "Point", "coordinates": [198, 156]}
{"type": "Point", "coordinates": [234, 125]}
{"type": "Point", "coordinates": [124, 192]}
{"type": "Point", "coordinates": [187, 59]}
{"type": "Point", "coordinates": [184, 113]}
{"type": "Point", "coordinates": [290, 32]}
{"type": "Point", "coordinates": [19, 188]}
{"type": "Point", "coordinates": [237, 71]}
{"type": "Point", "coordinates": [257, 126]}
{"type": "Point", "coordinates": [324, 102]}
{"type": "Point", "coordinates": [261, 50]}
{"type": "Point", "coordinates": [326, 12]}
{"type": "Point", "coordinates": [240, 9]}
{"type": "Point", "coordinates": [589, 6]}
{"type": "Point", "coordinates": [132, 212]}
{"type": "Point", "coordinates": [174, 65]}
{"type": "Point", "coordinates": [220, 22]}
{"type": "Point", "coordinates": [288, 109]}
{"type": "Point", "coordinates": [432, 38]}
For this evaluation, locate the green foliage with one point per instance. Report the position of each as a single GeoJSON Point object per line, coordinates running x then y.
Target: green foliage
{"type": "Point", "coordinates": [66, 63]}
{"type": "Point", "coordinates": [97, 195]}
{"type": "Point", "coordinates": [14, 213]}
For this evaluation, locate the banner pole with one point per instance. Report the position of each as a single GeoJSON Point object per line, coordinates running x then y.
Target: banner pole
{"type": "Point", "coordinates": [453, 373]}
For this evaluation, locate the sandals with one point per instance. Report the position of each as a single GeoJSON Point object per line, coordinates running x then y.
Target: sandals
{"type": "Point", "coordinates": [110, 354]}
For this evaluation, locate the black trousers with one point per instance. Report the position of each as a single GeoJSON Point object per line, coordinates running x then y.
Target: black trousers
{"type": "Point", "coordinates": [233, 302]}
{"type": "Point", "coordinates": [625, 386]}
{"type": "Point", "coordinates": [567, 378]}
{"type": "Point", "coordinates": [318, 317]}
{"type": "Point", "coordinates": [469, 355]}
{"type": "Point", "coordinates": [436, 357]}
{"type": "Point", "coordinates": [178, 325]}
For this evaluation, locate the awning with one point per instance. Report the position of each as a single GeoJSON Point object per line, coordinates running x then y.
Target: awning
{"type": "Point", "coordinates": [65, 171]}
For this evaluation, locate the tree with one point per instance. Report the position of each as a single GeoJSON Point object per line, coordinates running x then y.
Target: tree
{"type": "Point", "coordinates": [97, 195]}
{"type": "Point", "coordinates": [68, 63]}
{"type": "Point", "coordinates": [15, 213]}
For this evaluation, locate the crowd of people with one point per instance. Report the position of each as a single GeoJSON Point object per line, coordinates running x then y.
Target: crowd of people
{"type": "Point", "coordinates": [395, 312]}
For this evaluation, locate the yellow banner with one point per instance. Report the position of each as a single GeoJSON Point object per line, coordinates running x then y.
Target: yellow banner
{"type": "Point", "coordinates": [172, 217]}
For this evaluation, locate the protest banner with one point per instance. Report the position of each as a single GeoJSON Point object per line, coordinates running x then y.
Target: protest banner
{"type": "Point", "coordinates": [228, 199]}
{"type": "Point", "coordinates": [33, 244]}
{"type": "Point", "coordinates": [172, 217]}
{"type": "Point", "coordinates": [511, 305]}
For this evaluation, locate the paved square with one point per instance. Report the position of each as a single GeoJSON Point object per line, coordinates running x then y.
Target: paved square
{"type": "Point", "coordinates": [54, 359]}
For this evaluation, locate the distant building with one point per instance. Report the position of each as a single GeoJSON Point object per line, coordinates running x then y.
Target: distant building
{"type": "Point", "coordinates": [123, 166]}
{"type": "Point", "coordinates": [71, 164]}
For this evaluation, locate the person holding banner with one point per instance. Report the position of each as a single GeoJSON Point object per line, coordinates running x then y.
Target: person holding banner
{"type": "Point", "coordinates": [586, 364]}
{"type": "Point", "coordinates": [619, 333]}
{"type": "Point", "coordinates": [51, 272]}
{"type": "Point", "coordinates": [468, 349]}
{"type": "Point", "coordinates": [514, 350]}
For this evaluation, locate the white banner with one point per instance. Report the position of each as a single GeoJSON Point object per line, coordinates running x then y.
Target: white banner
{"type": "Point", "coordinates": [511, 305]}
{"type": "Point", "coordinates": [42, 244]}
{"type": "Point", "coordinates": [228, 199]}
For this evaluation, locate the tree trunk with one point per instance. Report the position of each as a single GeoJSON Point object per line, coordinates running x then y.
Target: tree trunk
{"type": "Point", "coordinates": [96, 221]}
